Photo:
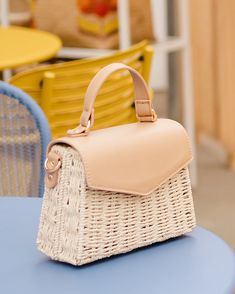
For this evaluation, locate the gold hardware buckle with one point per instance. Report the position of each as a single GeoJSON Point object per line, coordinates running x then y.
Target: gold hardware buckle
{"type": "Point", "coordinates": [53, 169]}
{"type": "Point", "coordinates": [80, 133]}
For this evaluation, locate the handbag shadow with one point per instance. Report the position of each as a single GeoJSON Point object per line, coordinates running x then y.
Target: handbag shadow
{"type": "Point", "coordinates": [172, 244]}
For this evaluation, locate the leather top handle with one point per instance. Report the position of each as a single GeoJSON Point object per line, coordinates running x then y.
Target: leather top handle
{"type": "Point", "coordinates": [143, 104]}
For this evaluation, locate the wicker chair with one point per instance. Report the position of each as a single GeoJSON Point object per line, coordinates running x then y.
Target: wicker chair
{"type": "Point", "coordinates": [24, 135]}
{"type": "Point", "coordinates": [59, 89]}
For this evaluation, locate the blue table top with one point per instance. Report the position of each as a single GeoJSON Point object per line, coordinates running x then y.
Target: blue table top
{"type": "Point", "coordinates": [198, 263]}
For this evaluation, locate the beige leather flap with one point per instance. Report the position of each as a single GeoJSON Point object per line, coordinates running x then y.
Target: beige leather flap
{"type": "Point", "coordinates": [134, 158]}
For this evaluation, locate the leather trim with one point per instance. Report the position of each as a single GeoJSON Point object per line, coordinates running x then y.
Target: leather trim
{"type": "Point", "coordinates": [135, 158]}
{"type": "Point", "coordinates": [144, 109]}
{"type": "Point", "coordinates": [140, 87]}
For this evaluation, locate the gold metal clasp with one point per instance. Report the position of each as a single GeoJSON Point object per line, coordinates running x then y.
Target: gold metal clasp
{"type": "Point", "coordinates": [52, 165]}
{"type": "Point", "coordinates": [80, 130]}
{"type": "Point", "coordinates": [52, 168]}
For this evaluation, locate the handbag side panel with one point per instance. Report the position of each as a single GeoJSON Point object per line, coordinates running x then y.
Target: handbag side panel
{"type": "Point", "coordinates": [80, 225]}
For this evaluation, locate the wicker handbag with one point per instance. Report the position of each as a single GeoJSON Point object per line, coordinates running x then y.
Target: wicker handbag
{"type": "Point", "coordinates": [116, 189]}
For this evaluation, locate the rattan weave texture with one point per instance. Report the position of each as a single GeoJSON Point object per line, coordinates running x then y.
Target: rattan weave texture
{"type": "Point", "coordinates": [79, 225]}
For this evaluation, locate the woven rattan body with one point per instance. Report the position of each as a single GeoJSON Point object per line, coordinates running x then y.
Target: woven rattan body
{"type": "Point", "coordinates": [79, 225]}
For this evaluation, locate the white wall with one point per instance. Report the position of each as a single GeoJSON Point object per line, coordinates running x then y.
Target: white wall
{"type": "Point", "coordinates": [159, 76]}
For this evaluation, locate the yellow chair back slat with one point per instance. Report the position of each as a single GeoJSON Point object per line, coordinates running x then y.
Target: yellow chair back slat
{"type": "Point", "coordinates": [60, 89]}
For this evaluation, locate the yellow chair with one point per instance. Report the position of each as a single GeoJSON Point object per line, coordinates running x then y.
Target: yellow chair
{"type": "Point", "coordinates": [60, 88]}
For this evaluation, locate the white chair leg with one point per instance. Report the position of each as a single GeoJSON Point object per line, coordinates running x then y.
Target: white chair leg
{"type": "Point", "coordinates": [4, 8]}
{"type": "Point", "coordinates": [124, 24]}
{"type": "Point", "coordinates": [7, 73]}
{"type": "Point", "coordinates": [188, 109]}
{"type": "Point", "coordinates": [4, 20]}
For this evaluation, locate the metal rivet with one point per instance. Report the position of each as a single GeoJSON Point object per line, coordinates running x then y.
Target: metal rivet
{"type": "Point", "coordinates": [50, 177]}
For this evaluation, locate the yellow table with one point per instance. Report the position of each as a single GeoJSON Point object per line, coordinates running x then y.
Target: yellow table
{"type": "Point", "coordinates": [20, 46]}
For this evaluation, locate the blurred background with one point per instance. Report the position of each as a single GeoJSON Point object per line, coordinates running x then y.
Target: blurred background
{"type": "Point", "coordinates": [185, 49]}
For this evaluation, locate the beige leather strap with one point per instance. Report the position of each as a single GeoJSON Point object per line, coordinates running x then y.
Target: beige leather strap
{"type": "Point", "coordinates": [144, 110]}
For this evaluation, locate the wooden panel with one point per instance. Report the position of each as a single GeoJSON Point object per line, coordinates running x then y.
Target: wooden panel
{"type": "Point", "coordinates": [225, 61]}
{"type": "Point", "coordinates": [203, 62]}
{"type": "Point", "coordinates": [213, 58]}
